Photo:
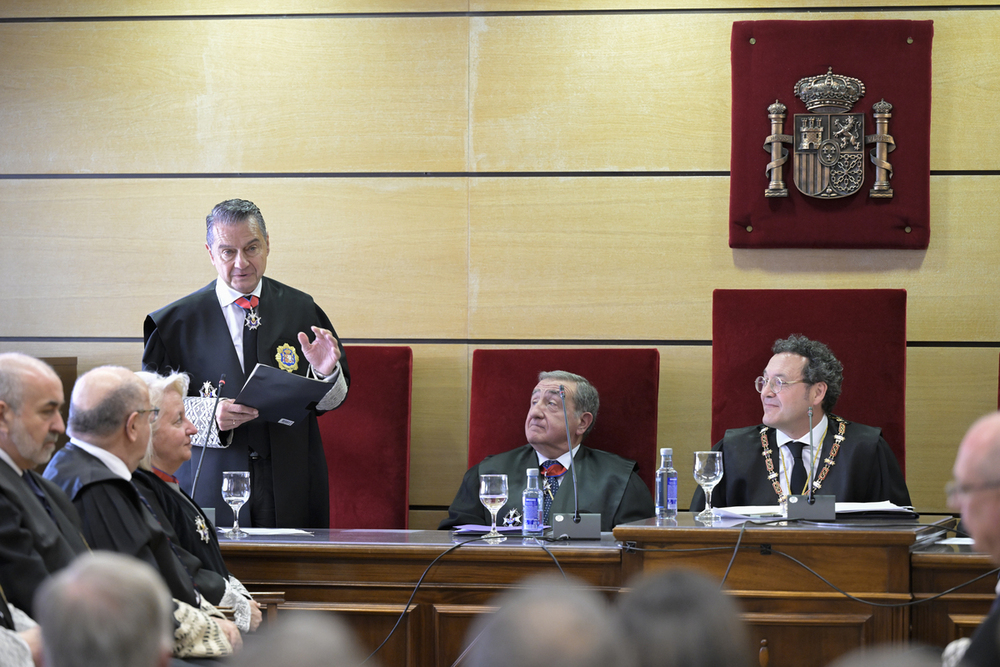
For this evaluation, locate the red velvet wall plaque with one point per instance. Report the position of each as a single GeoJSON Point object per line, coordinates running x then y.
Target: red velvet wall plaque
{"type": "Point", "coordinates": [892, 59]}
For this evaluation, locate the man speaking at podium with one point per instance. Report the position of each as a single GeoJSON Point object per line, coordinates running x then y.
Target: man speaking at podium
{"type": "Point", "coordinates": [765, 464]}
{"type": "Point", "coordinates": [607, 483]}
{"type": "Point", "coordinates": [226, 328]}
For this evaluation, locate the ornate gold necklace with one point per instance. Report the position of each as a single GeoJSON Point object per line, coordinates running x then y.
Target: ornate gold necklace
{"type": "Point", "coordinates": [828, 462]}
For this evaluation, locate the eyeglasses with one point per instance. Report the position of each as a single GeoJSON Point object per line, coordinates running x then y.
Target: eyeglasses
{"type": "Point", "coordinates": [154, 413]}
{"type": "Point", "coordinates": [777, 384]}
{"type": "Point", "coordinates": [954, 489]}
{"type": "Point", "coordinates": [251, 251]}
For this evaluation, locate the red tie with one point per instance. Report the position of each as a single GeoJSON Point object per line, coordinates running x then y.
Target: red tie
{"type": "Point", "coordinates": [247, 304]}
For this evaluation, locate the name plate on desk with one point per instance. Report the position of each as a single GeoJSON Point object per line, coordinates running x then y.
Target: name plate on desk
{"type": "Point", "coordinates": [823, 508]}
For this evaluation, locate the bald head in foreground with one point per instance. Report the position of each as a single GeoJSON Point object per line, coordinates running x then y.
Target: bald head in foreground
{"type": "Point", "coordinates": [975, 493]}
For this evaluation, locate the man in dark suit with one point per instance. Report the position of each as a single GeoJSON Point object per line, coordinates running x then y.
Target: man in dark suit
{"type": "Point", "coordinates": [608, 484]}
{"type": "Point", "coordinates": [766, 463]}
{"type": "Point", "coordinates": [975, 493]}
{"type": "Point", "coordinates": [226, 328]}
{"type": "Point", "coordinates": [40, 531]}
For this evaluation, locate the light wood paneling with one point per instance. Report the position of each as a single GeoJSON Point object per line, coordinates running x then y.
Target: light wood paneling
{"type": "Point", "coordinates": [141, 8]}
{"type": "Point", "coordinates": [89, 354]}
{"type": "Point", "coordinates": [440, 423]}
{"type": "Point", "coordinates": [384, 258]}
{"type": "Point", "coordinates": [638, 258]}
{"type": "Point", "coordinates": [946, 390]}
{"type": "Point", "coordinates": [652, 92]}
{"type": "Point", "coordinates": [255, 95]}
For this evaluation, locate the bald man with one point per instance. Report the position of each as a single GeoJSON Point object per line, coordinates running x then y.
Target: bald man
{"type": "Point", "coordinates": [975, 493]}
{"type": "Point", "coordinates": [110, 418]}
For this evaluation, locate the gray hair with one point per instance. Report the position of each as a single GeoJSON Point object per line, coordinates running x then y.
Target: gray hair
{"type": "Point", "coordinates": [579, 629]}
{"type": "Point", "coordinates": [158, 385]}
{"type": "Point", "coordinates": [822, 366]}
{"type": "Point", "coordinates": [105, 610]}
{"type": "Point", "coordinates": [233, 212]}
{"type": "Point", "coordinates": [585, 398]}
{"type": "Point", "coordinates": [110, 414]}
{"type": "Point", "coordinates": [13, 366]}
{"type": "Point", "coordinates": [680, 618]}
{"type": "Point", "coordinates": [305, 640]}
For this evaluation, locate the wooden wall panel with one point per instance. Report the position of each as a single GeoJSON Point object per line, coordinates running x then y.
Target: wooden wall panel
{"type": "Point", "coordinates": [946, 390]}
{"type": "Point", "coordinates": [638, 258]}
{"type": "Point", "coordinates": [260, 95]}
{"type": "Point", "coordinates": [646, 92]}
{"type": "Point", "coordinates": [142, 8]}
{"type": "Point", "coordinates": [384, 258]}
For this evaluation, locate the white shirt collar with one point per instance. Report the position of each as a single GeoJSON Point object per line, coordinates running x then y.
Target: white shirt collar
{"type": "Point", "coordinates": [227, 294]}
{"type": "Point", "coordinates": [114, 464]}
{"type": "Point", "coordinates": [564, 459]}
{"type": "Point", "coordinates": [819, 429]}
{"type": "Point", "coordinates": [5, 457]}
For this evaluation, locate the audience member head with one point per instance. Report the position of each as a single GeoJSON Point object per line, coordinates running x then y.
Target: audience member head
{"type": "Point", "coordinates": [975, 488]}
{"type": "Point", "coordinates": [802, 374]}
{"type": "Point", "coordinates": [105, 610]}
{"type": "Point", "coordinates": [30, 397]}
{"type": "Point", "coordinates": [110, 409]}
{"type": "Point", "coordinates": [237, 243]}
{"type": "Point", "coordinates": [305, 640]}
{"type": "Point", "coordinates": [170, 445]}
{"type": "Point", "coordinates": [890, 656]}
{"type": "Point", "coordinates": [549, 623]}
{"type": "Point", "coordinates": [545, 427]}
{"type": "Point", "coordinates": [680, 618]}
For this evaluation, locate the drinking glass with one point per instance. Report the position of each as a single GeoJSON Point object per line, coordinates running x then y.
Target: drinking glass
{"type": "Point", "coordinates": [707, 472]}
{"type": "Point", "coordinates": [236, 491]}
{"type": "Point", "coordinates": [493, 494]}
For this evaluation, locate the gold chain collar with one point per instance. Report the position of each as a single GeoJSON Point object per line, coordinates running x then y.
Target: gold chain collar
{"type": "Point", "coordinates": [828, 462]}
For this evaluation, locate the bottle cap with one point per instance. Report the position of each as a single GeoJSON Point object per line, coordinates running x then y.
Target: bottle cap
{"type": "Point", "coordinates": [669, 451]}
{"type": "Point", "coordinates": [532, 472]}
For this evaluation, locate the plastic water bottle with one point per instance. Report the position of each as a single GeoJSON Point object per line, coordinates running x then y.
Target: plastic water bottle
{"type": "Point", "coordinates": [531, 520]}
{"type": "Point", "coordinates": [666, 485]}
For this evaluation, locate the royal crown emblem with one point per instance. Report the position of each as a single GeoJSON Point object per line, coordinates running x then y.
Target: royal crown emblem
{"type": "Point", "coordinates": [829, 142]}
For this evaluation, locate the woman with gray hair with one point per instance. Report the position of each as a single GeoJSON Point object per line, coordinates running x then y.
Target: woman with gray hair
{"type": "Point", "coordinates": [182, 520]}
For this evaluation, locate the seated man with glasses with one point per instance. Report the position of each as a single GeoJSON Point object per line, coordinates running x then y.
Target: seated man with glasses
{"type": "Point", "coordinates": [765, 464]}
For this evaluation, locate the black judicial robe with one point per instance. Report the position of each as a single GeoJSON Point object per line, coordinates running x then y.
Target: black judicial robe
{"type": "Point", "coordinates": [33, 544]}
{"type": "Point", "coordinates": [186, 535]}
{"type": "Point", "coordinates": [115, 518]}
{"type": "Point", "coordinates": [191, 336]}
{"type": "Point", "coordinates": [866, 470]}
{"type": "Point", "coordinates": [606, 483]}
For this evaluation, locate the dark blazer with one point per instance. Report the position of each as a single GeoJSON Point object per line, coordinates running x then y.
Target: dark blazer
{"type": "Point", "coordinates": [984, 648]}
{"type": "Point", "coordinates": [865, 469]}
{"type": "Point", "coordinates": [607, 483]}
{"type": "Point", "coordinates": [33, 544]}
{"type": "Point", "coordinates": [191, 336]}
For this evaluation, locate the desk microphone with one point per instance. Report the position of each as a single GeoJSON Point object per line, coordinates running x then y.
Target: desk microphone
{"type": "Point", "coordinates": [574, 526]}
{"type": "Point", "coordinates": [208, 433]}
{"type": "Point", "coordinates": [812, 449]}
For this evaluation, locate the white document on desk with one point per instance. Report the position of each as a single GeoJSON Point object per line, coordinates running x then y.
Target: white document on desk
{"type": "Point", "coordinates": [774, 511]}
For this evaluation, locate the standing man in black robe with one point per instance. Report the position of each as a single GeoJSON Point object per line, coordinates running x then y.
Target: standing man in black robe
{"type": "Point", "coordinates": [764, 464]}
{"type": "Point", "coordinates": [226, 328]}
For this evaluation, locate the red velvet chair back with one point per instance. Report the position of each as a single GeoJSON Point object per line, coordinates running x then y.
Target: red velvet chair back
{"type": "Point", "coordinates": [627, 381]}
{"type": "Point", "coordinates": [370, 431]}
{"type": "Point", "coordinates": [865, 329]}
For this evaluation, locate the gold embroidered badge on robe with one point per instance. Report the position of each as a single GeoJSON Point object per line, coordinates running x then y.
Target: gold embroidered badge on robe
{"type": "Point", "coordinates": [202, 528]}
{"type": "Point", "coordinates": [287, 358]}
